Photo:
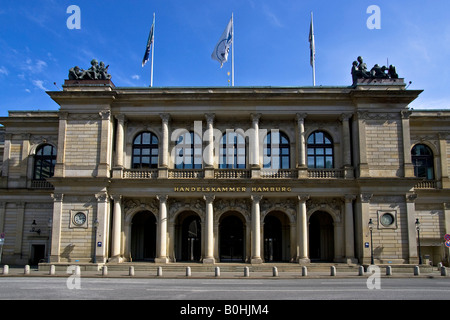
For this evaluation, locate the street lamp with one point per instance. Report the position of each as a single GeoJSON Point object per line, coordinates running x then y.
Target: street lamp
{"type": "Point", "coordinates": [371, 241]}
{"type": "Point", "coordinates": [418, 237]}
{"type": "Point", "coordinates": [94, 260]}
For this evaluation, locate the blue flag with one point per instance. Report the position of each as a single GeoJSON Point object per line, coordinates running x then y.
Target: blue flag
{"type": "Point", "coordinates": [149, 43]}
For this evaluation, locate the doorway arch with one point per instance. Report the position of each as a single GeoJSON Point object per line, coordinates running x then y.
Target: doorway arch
{"type": "Point", "coordinates": [143, 236]}
{"type": "Point", "coordinates": [321, 237]}
{"type": "Point", "coordinates": [189, 236]}
{"type": "Point", "coordinates": [276, 237]}
{"type": "Point", "coordinates": [231, 238]}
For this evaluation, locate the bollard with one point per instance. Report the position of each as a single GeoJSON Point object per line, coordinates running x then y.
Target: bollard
{"type": "Point", "coordinates": [159, 272]}
{"type": "Point", "coordinates": [304, 271]}
{"type": "Point", "coordinates": [275, 271]}
{"type": "Point", "coordinates": [246, 273]}
{"type": "Point", "coordinates": [217, 271]}
{"type": "Point", "coordinates": [5, 269]}
{"type": "Point", "coordinates": [389, 271]}
{"type": "Point", "coordinates": [361, 271]}
{"type": "Point", "coordinates": [77, 270]}
{"type": "Point", "coordinates": [27, 269]}
{"type": "Point", "coordinates": [416, 271]}
{"type": "Point", "coordinates": [443, 271]}
{"type": "Point", "coordinates": [105, 271]}
{"type": "Point", "coordinates": [188, 271]}
{"type": "Point", "coordinates": [52, 270]}
{"type": "Point", "coordinates": [333, 271]}
{"type": "Point", "coordinates": [131, 271]}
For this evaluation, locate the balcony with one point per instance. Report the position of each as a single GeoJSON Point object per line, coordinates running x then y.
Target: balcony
{"type": "Point", "coordinates": [40, 184]}
{"type": "Point", "coordinates": [427, 184]}
{"type": "Point", "coordinates": [240, 174]}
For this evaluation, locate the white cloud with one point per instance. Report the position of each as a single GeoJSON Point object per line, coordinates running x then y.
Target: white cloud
{"type": "Point", "coordinates": [273, 19]}
{"type": "Point", "coordinates": [34, 67]}
{"type": "Point", "coordinates": [135, 77]}
{"type": "Point", "coordinates": [3, 70]}
{"type": "Point", "coordinates": [40, 84]}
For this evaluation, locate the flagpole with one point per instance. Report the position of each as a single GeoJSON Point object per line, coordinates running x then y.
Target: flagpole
{"type": "Point", "coordinates": [232, 50]}
{"type": "Point", "coordinates": [153, 51]}
{"type": "Point", "coordinates": [314, 53]}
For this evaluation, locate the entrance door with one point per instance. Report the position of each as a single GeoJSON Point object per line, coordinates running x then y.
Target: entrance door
{"type": "Point", "coordinates": [191, 239]}
{"type": "Point", "coordinates": [321, 237]}
{"type": "Point", "coordinates": [143, 237]}
{"type": "Point", "coordinates": [231, 230]}
{"type": "Point", "coordinates": [37, 254]}
{"type": "Point", "coordinates": [272, 239]}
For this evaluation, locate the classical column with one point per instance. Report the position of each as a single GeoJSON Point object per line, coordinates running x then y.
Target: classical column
{"type": "Point", "coordinates": [408, 170]}
{"type": "Point", "coordinates": [120, 140]}
{"type": "Point", "coordinates": [164, 164]}
{"type": "Point", "coordinates": [254, 160]}
{"type": "Point", "coordinates": [362, 221]}
{"type": "Point", "coordinates": [105, 145]}
{"type": "Point", "coordinates": [56, 227]}
{"type": "Point", "coordinates": [209, 228]}
{"type": "Point", "coordinates": [116, 228]}
{"type": "Point", "coordinates": [161, 255]}
{"type": "Point", "coordinates": [209, 156]}
{"type": "Point", "coordinates": [412, 232]}
{"type": "Point", "coordinates": [349, 231]}
{"type": "Point", "coordinates": [347, 157]}
{"type": "Point", "coordinates": [61, 152]}
{"type": "Point", "coordinates": [302, 230]}
{"type": "Point", "coordinates": [256, 230]}
{"type": "Point", "coordinates": [301, 140]}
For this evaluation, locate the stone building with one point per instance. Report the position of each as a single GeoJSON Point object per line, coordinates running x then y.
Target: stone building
{"type": "Point", "coordinates": [220, 174]}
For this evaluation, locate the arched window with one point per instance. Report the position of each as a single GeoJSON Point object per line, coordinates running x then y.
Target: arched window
{"type": "Point", "coordinates": [44, 162]}
{"type": "Point", "coordinates": [320, 150]}
{"type": "Point", "coordinates": [188, 151]}
{"type": "Point", "coordinates": [145, 151]}
{"type": "Point", "coordinates": [276, 151]}
{"type": "Point", "coordinates": [232, 151]}
{"type": "Point", "coordinates": [422, 159]}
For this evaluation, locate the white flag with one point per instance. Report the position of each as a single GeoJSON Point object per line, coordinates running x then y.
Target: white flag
{"type": "Point", "coordinates": [222, 47]}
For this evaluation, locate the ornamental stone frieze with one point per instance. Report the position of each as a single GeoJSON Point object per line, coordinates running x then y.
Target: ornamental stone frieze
{"type": "Point", "coordinates": [177, 205]}
{"type": "Point", "coordinates": [241, 205]}
{"type": "Point", "coordinates": [287, 206]}
{"type": "Point", "coordinates": [132, 205]}
{"type": "Point", "coordinates": [332, 206]}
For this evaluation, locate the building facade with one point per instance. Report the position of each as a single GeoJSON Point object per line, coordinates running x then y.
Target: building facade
{"type": "Point", "coordinates": [229, 174]}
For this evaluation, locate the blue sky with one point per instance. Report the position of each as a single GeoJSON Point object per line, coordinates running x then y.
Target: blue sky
{"type": "Point", "coordinates": [271, 44]}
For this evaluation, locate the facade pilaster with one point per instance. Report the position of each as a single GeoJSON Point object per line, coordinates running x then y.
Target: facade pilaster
{"type": "Point", "coordinates": [347, 155]}
{"type": "Point", "coordinates": [101, 231]}
{"type": "Point", "coordinates": [209, 150]}
{"type": "Point", "coordinates": [256, 230]}
{"type": "Point", "coordinates": [208, 257]}
{"type": "Point", "coordinates": [408, 169]}
{"type": "Point", "coordinates": [362, 230]}
{"type": "Point", "coordinates": [55, 250]}
{"type": "Point", "coordinates": [104, 165]}
{"type": "Point", "coordinates": [61, 152]}
{"type": "Point", "coordinates": [161, 252]}
{"type": "Point", "coordinates": [164, 162]}
{"type": "Point", "coordinates": [446, 206]}
{"type": "Point", "coordinates": [349, 230]}
{"type": "Point", "coordinates": [412, 233]}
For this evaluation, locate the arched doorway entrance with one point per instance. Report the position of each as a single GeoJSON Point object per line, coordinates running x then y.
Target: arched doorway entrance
{"type": "Point", "coordinates": [276, 237]}
{"type": "Point", "coordinates": [143, 236]}
{"type": "Point", "coordinates": [321, 237]}
{"type": "Point", "coordinates": [231, 238]}
{"type": "Point", "coordinates": [189, 237]}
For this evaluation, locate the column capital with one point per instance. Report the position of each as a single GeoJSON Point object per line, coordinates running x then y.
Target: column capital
{"type": "Point", "coordinates": [116, 197]}
{"type": "Point", "coordinates": [165, 117]}
{"type": "Point", "coordinates": [365, 197]}
{"type": "Point", "coordinates": [209, 197]}
{"type": "Point", "coordinates": [162, 197]}
{"type": "Point", "coordinates": [345, 116]}
{"type": "Point", "coordinates": [255, 117]}
{"type": "Point", "coordinates": [256, 197]}
{"type": "Point", "coordinates": [105, 114]}
{"type": "Point", "coordinates": [57, 196]}
{"type": "Point", "coordinates": [120, 117]}
{"type": "Point", "coordinates": [210, 117]}
{"type": "Point", "coordinates": [410, 198]}
{"type": "Point", "coordinates": [300, 116]}
{"type": "Point", "coordinates": [349, 197]}
{"type": "Point", "coordinates": [303, 197]}
{"type": "Point", "coordinates": [102, 197]}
